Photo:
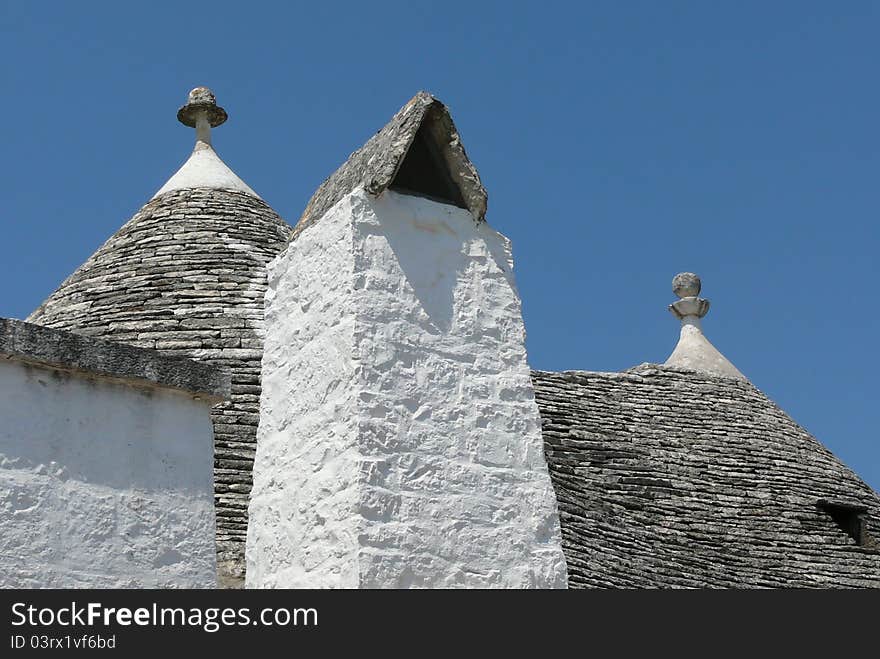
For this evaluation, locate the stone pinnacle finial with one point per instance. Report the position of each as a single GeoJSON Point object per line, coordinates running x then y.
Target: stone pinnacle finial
{"type": "Point", "coordinates": [694, 351]}
{"type": "Point", "coordinates": [687, 286]}
{"type": "Point", "coordinates": [201, 99]}
{"type": "Point", "coordinates": [204, 168]}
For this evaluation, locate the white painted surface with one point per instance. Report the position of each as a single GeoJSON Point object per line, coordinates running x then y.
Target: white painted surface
{"type": "Point", "coordinates": [204, 169]}
{"type": "Point", "coordinates": [102, 484]}
{"type": "Point", "coordinates": [203, 129]}
{"type": "Point", "coordinates": [399, 441]}
{"type": "Point", "coordinates": [694, 351]}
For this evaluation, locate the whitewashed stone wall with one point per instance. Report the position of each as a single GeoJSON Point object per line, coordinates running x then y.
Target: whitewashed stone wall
{"type": "Point", "coordinates": [399, 441]}
{"type": "Point", "coordinates": [102, 484]}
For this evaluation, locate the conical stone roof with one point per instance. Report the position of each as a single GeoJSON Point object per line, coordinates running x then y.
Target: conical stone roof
{"type": "Point", "coordinates": [187, 276]}
{"type": "Point", "coordinates": [685, 475]}
{"type": "Point", "coordinates": [675, 478]}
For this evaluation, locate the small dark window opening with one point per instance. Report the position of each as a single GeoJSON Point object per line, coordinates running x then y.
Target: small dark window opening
{"type": "Point", "coordinates": [424, 172]}
{"type": "Point", "coordinates": [849, 518]}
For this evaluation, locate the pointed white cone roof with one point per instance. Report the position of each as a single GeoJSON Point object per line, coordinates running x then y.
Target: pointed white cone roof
{"type": "Point", "coordinates": [694, 351]}
{"type": "Point", "coordinates": [204, 168]}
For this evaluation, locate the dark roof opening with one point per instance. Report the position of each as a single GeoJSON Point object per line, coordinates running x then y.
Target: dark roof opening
{"type": "Point", "coordinates": [849, 518]}
{"type": "Point", "coordinates": [424, 171]}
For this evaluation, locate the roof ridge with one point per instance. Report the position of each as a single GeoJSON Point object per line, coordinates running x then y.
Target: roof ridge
{"type": "Point", "coordinates": [376, 164]}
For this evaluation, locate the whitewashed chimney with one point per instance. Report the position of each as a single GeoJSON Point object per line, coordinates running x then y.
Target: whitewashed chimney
{"type": "Point", "coordinates": [399, 442]}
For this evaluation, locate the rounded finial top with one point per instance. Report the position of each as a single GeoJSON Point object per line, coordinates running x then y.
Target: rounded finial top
{"type": "Point", "coordinates": [201, 99]}
{"type": "Point", "coordinates": [686, 284]}
{"type": "Point", "coordinates": [203, 96]}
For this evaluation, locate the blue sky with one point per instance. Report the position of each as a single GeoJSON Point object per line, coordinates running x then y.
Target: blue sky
{"type": "Point", "coordinates": [621, 142]}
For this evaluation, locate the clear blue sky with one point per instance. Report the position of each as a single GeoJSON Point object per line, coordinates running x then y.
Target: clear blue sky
{"type": "Point", "coordinates": [621, 142]}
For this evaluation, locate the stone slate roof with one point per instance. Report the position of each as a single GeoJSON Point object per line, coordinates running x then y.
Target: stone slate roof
{"type": "Point", "coordinates": [375, 165]}
{"type": "Point", "coordinates": [673, 478]}
{"type": "Point", "coordinates": [187, 276]}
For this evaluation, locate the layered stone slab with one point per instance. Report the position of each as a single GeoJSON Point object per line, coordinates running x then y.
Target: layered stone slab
{"type": "Point", "coordinates": [677, 478]}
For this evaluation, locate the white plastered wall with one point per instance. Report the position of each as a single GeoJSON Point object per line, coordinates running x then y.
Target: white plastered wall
{"type": "Point", "coordinates": [102, 484]}
{"type": "Point", "coordinates": [399, 441]}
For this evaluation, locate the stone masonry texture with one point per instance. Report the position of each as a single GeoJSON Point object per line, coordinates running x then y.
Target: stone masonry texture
{"type": "Point", "coordinates": [399, 443]}
{"type": "Point", "coordinates": [187, 276]}
{"type": "Point", "coordinates": [104, 482]}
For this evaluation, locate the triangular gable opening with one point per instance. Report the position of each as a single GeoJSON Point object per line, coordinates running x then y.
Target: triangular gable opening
{"type": "Point", "coordinates": [424, 171]}
{"type": "Point", "coordinates": [418, 152]}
